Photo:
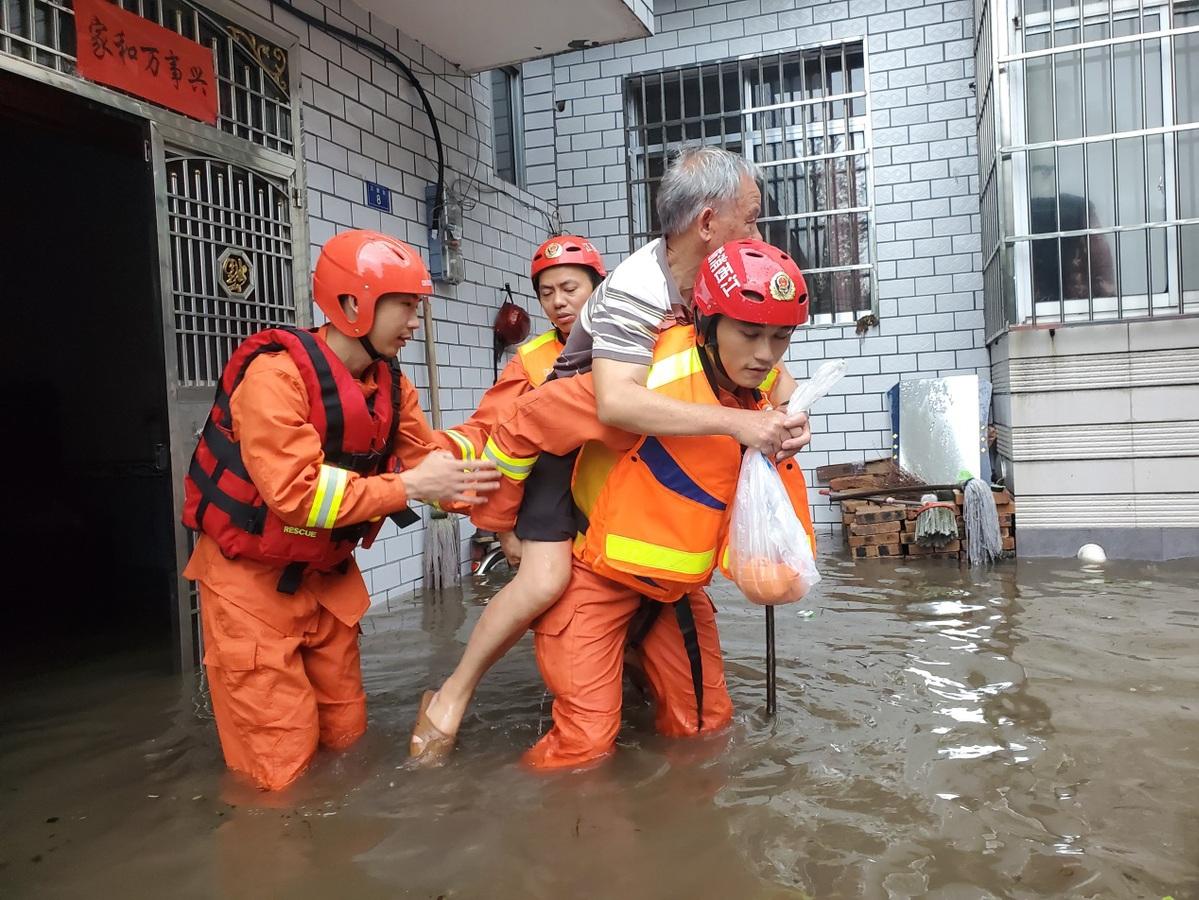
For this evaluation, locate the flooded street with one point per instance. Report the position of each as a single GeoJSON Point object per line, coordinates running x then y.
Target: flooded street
{"type": "Point", "coordinates": [1029, 732]}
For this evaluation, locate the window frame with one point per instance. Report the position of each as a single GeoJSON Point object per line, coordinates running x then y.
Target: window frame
{"type": "Point", "coordinates": [515, 108]}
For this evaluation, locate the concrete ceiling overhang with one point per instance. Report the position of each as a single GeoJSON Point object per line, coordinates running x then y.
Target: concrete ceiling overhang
{"type": "Point", "coordinates": [484, 34]}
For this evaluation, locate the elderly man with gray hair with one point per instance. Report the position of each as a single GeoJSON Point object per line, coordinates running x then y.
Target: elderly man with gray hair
{"type": "Point", "coordinates": [707, 198]}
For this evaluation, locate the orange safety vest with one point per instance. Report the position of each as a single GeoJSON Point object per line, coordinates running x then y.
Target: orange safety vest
{"type": "Point", "coordinates": [539, 355]}
{"type": "Point", "coordinates": [657, 515]}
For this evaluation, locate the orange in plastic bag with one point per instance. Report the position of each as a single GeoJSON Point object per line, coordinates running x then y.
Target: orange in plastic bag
{"type": "Point", "coordinates": [768, 583]}
{"type": "Point", "coordinates": [770, 556]}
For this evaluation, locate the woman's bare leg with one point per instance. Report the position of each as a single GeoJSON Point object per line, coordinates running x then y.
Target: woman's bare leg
{"type": "Point", "coordinates": [542, 577]}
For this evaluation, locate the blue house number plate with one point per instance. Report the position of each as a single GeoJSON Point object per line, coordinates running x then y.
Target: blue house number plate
{"type": "Point", "coordinates": [378, 197]}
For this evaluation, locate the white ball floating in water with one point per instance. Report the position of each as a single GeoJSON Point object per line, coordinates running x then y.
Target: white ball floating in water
{"type": "Point", "coordinates": [1092, 553]}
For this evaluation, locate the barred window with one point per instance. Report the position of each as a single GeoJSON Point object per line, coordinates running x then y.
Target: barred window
{"type": "Point", "coordinates": [803, 116]}
{"type": "Point", "coordinates": [1104, 159]}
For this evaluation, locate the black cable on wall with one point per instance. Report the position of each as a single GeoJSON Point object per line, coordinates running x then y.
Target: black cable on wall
{"type": "Point", "coordinates": [387, 56]}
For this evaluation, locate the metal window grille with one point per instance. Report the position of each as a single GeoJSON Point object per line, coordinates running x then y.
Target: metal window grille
{"type": "Point", "coordinates": [212, 206]}
{"type": "Point", "coordinates": [804, 117]}
{"type": "Point", "coordinates": [1099, 168]}
{"type": "Point", "coordinates": [254, 82]}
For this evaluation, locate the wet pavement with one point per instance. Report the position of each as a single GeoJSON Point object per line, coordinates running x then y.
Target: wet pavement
{"type": "Point", "coordinates": [1029, 732]}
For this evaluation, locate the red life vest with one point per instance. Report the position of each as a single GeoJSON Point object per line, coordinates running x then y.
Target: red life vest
{"type": "Point", "coordinates": [223, 502]}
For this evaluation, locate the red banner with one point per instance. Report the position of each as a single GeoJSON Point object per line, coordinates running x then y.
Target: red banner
{"type": "Point", "coordinates": [124, 50]}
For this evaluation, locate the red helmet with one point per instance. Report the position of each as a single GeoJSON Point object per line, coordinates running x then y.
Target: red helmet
{"type": "Point", "coordinates": [567, 250]}
{"type": "Point", "coordinates": [751, 281]}
{"type": "Point", "coordinates": [511, 324]}
{"type": "Point", "coordinates": [365, 265]}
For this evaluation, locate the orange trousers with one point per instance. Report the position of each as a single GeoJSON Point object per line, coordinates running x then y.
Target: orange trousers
{"type": "Point", "coordinates": [277, 697]}
{"type": "Point", "coordinates": [580, 644]}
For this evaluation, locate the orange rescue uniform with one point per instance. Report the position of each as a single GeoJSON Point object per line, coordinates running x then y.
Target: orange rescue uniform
{"type": "Point", "coordinates": [284, 669]}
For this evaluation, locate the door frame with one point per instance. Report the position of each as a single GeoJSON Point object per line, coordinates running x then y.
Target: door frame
{"type": "Point", "coordinates": [169, 129]}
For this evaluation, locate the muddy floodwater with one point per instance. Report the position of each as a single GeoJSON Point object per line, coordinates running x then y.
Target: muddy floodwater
{"type": "Point", "coordinates": [1029, 732]}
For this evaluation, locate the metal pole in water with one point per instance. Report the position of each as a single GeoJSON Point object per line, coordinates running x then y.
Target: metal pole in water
{"type": "Point", "coordinates": [770, 680]}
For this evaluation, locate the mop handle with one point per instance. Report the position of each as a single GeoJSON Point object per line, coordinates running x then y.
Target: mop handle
{"type": "Point", "coordinates": [891, 489]}
{"type": "Point", "coordinates": [431, 364]}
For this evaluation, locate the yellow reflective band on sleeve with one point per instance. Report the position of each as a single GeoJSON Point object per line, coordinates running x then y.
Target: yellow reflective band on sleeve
{"type": "Point", "coordinates": [540, 341]}
{"type": "Point", "coordinates": [768, 382]}
{"type": "Point", "coordinates": [330, 490]}
{"type": "Point", "coordinates": [515, 467]}
{"type": "Point", "coordinates": [466, 450]}
{"type": "Point", "coordinates": [673, 368]}
{"type": "Point", "coordinates": [654, 556]}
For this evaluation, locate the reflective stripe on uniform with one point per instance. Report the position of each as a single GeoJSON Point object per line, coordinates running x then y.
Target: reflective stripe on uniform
{"type": "Point", "coordinates": [540, 341]}
{"type": "Point", "coordinates": [466, 450]}
{"type": "Point", "coordinates": [330, 489]}
{"type": "Point", "coordinates": [515, 467]}
{"type": "Point", "coordinates": [655, 556]}
{"type": "Point", "coordinates": [675, 367]}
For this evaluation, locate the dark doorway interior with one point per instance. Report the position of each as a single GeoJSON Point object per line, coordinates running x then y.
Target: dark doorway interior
{"type": "Point", "coordinates": [87, 525]}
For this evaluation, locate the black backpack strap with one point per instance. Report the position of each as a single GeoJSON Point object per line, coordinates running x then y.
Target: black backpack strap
{"type": "Point", "coordinates": [248, 518]}
{"type": "Point", "coordinates": [406, 516]}
{"type": "Point", "coordinates": [330, 398]}
{"type": "Point", "coordinates": [227, 452]}
{"type": "Point", "coordinates": [686, 620]}
{"type": "Point", "coordinates": [289, 581]}
{"type": "Point", "coordinates": [643, 620]}
{"type": "Point", "coordinates": [396, 398]}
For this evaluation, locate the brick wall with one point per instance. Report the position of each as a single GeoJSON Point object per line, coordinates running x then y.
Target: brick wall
{"type": "Point", "coordinates": [920, 59]}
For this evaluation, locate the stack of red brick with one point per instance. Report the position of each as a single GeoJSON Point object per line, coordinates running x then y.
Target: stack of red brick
{"type": "Point", "coordinates": [876, 529]}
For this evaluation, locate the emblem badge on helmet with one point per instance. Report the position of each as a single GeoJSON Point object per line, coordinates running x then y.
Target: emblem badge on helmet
{"type": "Point", "coordinates": [782, 287]}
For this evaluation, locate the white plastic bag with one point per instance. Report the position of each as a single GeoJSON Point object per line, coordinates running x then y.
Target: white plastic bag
{"type": "Point", "coordinates": [822, 381]}
{"type": "Point", "coordinates": [770, 556]}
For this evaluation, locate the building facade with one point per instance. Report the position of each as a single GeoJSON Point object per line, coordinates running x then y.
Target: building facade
{"type": "Point", "coordinates": [969, 186]}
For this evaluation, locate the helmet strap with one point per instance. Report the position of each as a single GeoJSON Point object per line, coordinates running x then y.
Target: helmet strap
{"type": "Point", "coordinates": [705, 327]}
{"type": "Point", "coordinates": [374, 354]}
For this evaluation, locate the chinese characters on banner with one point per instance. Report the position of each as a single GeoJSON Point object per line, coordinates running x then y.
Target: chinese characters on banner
{"type": "Point", "coordinates": [121, 49]}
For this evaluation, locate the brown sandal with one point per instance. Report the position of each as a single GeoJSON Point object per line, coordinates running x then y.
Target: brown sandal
{"type": "Point", "coordinates": [429, 746]}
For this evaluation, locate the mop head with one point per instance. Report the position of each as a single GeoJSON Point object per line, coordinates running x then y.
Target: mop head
{"type": "Point", "coordinates": [442, 566]}
{"type": "Point", "coordinates": [982, 523]}
{"type": "Point", "coordinates": [937, 525]}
